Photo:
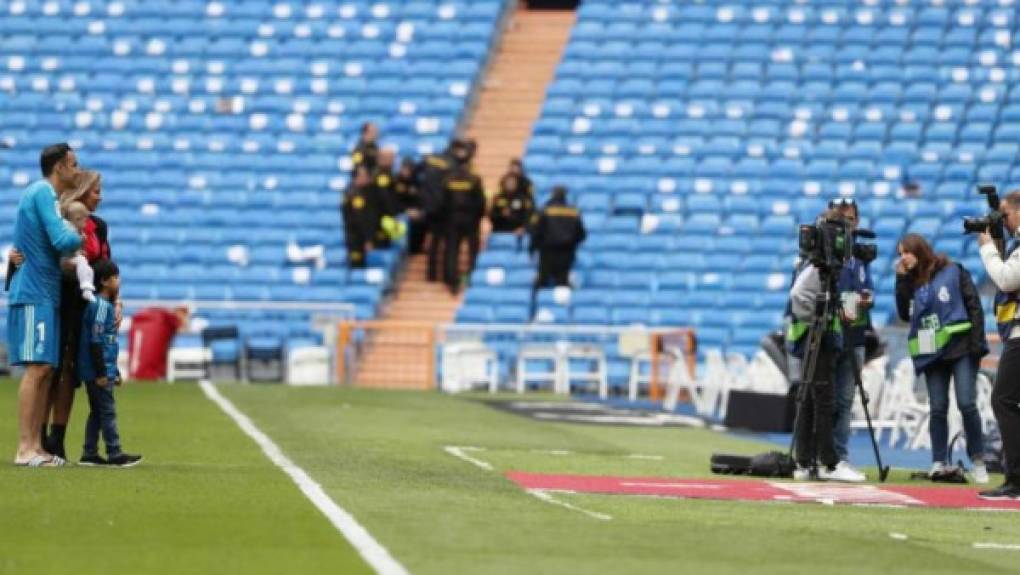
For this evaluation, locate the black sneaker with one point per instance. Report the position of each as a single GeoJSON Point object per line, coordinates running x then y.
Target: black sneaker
{"type": "Point", "coordinates": [1005, 491]}
{"type": "Point", "coordinates": [124, 460]}
{"type": "Point", "coordinates": [92, 460]}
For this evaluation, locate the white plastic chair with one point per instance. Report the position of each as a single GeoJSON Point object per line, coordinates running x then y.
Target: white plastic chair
{"type": "Point", "coordinates": [543, 355]}
{"type": "Point", "coordinates": [679, 379]}
{"type": "Point", "coordinates": [910, 415]}
{"type": "Point", "coordinates": [583, 353]}
{"type": "Point", "coordinates": [638, 376]}
{"type": "Point", "coordinates": [187, 363]}
{"type": "Point", "coordinates": [984, 403]}
{"type": "Point", "coordinates": [765, 376]}
{"type": "Point", "coordinates": [466, 364]}
{"type": "Point", "coordinates": [310, 365]}
{"type": "Point", "coordinates": [715, 386]}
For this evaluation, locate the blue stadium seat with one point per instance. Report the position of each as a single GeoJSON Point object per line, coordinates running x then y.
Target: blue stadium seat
{"type": "Point", "coordinates": [817, 105]}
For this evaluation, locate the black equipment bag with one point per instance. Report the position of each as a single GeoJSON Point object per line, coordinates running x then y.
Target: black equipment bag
{"type": "Point", "coordinates": [771, 464]}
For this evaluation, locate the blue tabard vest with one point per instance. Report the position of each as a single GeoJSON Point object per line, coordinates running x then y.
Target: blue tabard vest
{"type": "Point", "coordinates": [855, 277]}
{"type": "Point", "coordinates": [1006, 308]}
{"type": "Point", "coordinates": [937, 313]}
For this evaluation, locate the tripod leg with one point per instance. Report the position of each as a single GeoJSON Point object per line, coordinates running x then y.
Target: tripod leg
{"type": "Point", "coordinates": [883, 472]}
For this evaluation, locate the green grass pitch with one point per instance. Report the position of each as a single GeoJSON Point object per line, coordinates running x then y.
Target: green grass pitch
{"type": "Point", "coordinates": [206, 500]}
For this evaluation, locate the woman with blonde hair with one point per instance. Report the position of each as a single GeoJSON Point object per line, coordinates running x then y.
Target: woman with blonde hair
{"type": "Point", "coordinates": [87, 192]}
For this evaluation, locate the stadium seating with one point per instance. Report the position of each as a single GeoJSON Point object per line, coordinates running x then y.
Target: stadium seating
{"type": "Point", "coordinates": [222, 130]}
{"type": "Point", "coordinates": [696, 136]}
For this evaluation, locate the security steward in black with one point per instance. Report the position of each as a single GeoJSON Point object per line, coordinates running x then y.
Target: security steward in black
{"type": "Point", "coordinates": [555, 235]}
{"type": "Point", "coordinates": [512, 209]}
{"type": "Point", "coordinates": [524, 184]}
{"type": "Point", "coordinates": [360, 221]}
{"type": "Point", "coordinates": [433, 172]}
{"type": "Point", "coordinates": [409, 201]}
{"type": "Point", "coordinates": [464, 196]}
{"type": "Point", "coordinates": [384, 194]}
{"type": "Point", "coordinates": [366, 152]}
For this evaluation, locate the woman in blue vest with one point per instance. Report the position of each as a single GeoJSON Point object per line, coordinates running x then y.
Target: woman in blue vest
{"type": "Point", "coordinates": [946, 341]}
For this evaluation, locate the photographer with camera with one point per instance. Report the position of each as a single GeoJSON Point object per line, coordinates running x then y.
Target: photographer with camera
{"type": "Point", "coordinates": [1005, 274]}
{"type": "Point", "coordinates": [816, 338]}
{"type": "Point", "coordinates": [856, 299]}
{"type": "Point", "coordinates": [946, 341]}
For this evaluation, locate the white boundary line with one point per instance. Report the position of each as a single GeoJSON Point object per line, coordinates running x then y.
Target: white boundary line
{"type": "Point", "coordinates": [1002, 546]}
{"type": "Point", "coordinates": [558, 452]}
{"type": "Point", "coordinates": [370, 550]}
{"type": "Point", "coordinates": [544, 495]}
{"type": "Point", "coordinates": [647, 457]}
{"type": "Point", "coordinates": [459, 453]}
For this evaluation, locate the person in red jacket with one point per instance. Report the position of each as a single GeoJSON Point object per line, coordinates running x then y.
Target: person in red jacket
{"type": "Point", "coordinates": [152, 331]}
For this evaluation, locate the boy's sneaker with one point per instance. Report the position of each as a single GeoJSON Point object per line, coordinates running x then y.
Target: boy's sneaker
{"type": "Point", "coordinates": [842, 472]}
{"type": "Point", "coordinates": [1005, 491]}
{"type": "Point", "coordinates": [124, 460]}
{"type": "Point", "coordinates": [936, 468]}
{"type": "Point", "coordinates": [980, 473]}
{"type": "Point", "coordinates": [91, 460]}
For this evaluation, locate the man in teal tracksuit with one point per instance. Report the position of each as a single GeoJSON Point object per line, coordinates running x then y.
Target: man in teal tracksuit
{"type": "Point", "coordinates": [33, 331]}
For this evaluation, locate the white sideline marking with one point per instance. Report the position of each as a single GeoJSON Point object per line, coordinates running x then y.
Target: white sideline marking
{"type": "Point", "coordinates": [898, 536]}
{"type": "Point", "coordinates": [648, 457]}
{"type": "Point", "coordinates": [552, 451]}
{"type": "Point", "coordinates": [544, 495]}
{"type": "Point", "coordinates": [458, 452]}
{"type": "Point", "coordinates": [370, 550]}
{"type": "Point", "coordinates": [1002, 546]}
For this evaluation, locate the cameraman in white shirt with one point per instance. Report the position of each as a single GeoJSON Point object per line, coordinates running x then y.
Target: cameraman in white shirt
{"type": "Point", "coordinates": [1005, 274]}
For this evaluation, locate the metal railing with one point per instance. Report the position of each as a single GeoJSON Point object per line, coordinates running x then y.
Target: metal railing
{"type": "Point", "coordinates": [453, 357]}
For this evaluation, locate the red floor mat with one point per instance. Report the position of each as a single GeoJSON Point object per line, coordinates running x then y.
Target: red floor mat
{"type": "Point", "coordinates": [762, 490]}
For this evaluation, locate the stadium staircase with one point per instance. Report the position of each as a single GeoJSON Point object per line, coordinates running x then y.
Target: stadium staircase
{"type": "Point", "coordinates": [523, 64]}
{"type": "Point", "coordinates": [513, 92]}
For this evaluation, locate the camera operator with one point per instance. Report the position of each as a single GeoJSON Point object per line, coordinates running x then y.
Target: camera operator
{"type": "Point", "coordinates": [814, 429]}
{"type": "Point", "coordinates": [855, 291]}
{"type": "Point", "coordinates": [1005, 274]}
{"type": "Point", "coordinates": [946, 341]}
{"type": "Point", "coordinates": [794, 333]}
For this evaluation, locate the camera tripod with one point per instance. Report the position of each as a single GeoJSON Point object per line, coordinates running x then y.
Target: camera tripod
{"type": "Point", "coordinates": [825, 311]}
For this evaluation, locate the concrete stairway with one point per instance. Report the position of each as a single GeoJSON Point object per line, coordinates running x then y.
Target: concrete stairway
{"type": "Point", "coordinates": [400, 353]}
{"type": "Point", "coordinates": [513, 92]}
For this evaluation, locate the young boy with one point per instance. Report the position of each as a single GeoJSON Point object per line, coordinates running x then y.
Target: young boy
{"type": "Point", "coordinates": [97, 368]}
{"type": "Point", "coordinates": [78, 214]}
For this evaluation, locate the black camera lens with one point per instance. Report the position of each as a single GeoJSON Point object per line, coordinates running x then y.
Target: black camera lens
{"type": "Point", "coordinates": [975, 224]}
{"type": "Point", "coordinates": [866, 252]}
